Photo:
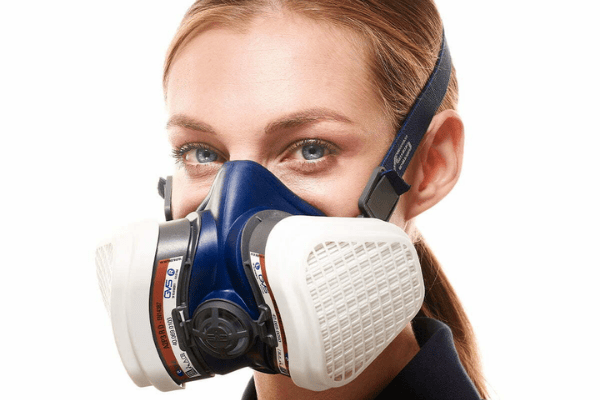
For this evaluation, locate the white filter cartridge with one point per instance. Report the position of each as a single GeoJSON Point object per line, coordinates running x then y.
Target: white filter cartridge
{"type": "Point", "coordinates": [124, 267]}
{"type": "Point", "coordinates": [344, 289]}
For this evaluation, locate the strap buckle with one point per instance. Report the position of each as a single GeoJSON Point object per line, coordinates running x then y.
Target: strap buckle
{"type": "Point", "coordinates": [380, 196]}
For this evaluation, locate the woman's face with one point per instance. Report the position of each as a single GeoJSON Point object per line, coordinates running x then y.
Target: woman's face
{"type": "Point", "coordinates": [291, 94]}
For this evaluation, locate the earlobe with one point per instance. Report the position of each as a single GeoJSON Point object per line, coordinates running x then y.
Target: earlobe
{"type": "Point", "coordinates": [437, 164]}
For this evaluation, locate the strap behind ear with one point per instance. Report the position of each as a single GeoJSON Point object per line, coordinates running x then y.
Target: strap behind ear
{"type": "Point", "coordinates": [165, 189]}
{"type": "Point", "coordinates": [378, 200]}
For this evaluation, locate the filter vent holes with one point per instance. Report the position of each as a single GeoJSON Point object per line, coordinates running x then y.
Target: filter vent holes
{"type": "Point", "coordinates": [104, 266]}
{"type": "Point", "coordinates": [363, 294]}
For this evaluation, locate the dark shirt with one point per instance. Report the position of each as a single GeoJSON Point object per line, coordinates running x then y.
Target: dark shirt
{"type": "Point", "coordinates": [434, 373]}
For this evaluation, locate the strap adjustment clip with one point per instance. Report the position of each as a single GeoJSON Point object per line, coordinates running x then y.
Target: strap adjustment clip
{"type": "Point", "coordinates": [380, 196]}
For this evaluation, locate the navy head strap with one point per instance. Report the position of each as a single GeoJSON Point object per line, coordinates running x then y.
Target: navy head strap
{"type": "Point", "coordinates": [385, 186]}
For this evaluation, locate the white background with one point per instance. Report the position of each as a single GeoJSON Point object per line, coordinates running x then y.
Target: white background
{"type": "Point", "coordinates": [83, 144]}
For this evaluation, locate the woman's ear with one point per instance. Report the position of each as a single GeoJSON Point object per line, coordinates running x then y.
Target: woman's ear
{"type": "Point", "coordinates": [436, 166]}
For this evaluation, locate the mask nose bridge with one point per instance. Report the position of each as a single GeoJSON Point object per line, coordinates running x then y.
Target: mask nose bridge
{"type": "Point", "coordinates": [249, 156]}
{"type": "Point", "coordinates": [246, 184]}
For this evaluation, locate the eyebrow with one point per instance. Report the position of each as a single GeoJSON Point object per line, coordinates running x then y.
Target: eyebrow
{"type": "Point", "coordinates": [305, 117]}
{"type": "Point", "coordinates": [289, 121]}
{"type": "Point", "coordinates": [184, 121]}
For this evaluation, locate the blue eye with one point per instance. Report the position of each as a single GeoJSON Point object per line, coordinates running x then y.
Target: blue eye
{"type": "Point", "coordinates": [311, 156]}
{"type": "Point", "coordinates": [194, 154]}
{"type": "Point", "coordinates": [202, 156]}
{"type": "Point", "coordinates": [313, 151]}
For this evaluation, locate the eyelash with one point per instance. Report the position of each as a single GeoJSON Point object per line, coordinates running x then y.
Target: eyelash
{"type": "Point", "coordinates": [318, 142]}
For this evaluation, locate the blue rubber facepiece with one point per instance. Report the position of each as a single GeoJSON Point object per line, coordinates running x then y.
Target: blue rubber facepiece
{"type": "Point", "coordinates": [217, 313]}
{"type": "Point", "coordinates": [240, 190]}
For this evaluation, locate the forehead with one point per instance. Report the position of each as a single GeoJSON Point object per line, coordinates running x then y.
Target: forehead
{"type": "Point", "coordinates": [278, 63]}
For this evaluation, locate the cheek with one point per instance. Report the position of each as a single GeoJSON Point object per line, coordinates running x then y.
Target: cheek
{"type": "Point", "coordinates": [338, 205]}
{"type": "Point", "coordinates": [187, 195]}
{"type": "Point", "coordinates": [336, 197]}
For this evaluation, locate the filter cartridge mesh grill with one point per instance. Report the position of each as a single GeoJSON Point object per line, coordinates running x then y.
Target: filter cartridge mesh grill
{"type": "Point", "coordinates": [104, 264]}
{"type": "Point", "coordinates": [363, 294]}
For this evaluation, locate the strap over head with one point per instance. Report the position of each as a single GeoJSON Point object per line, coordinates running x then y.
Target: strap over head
{"type": "Point", "coordinates": [385, 186]}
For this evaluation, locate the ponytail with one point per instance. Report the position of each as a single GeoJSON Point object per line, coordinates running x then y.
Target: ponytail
{"type": "Point", "coordinates": [442, 303]}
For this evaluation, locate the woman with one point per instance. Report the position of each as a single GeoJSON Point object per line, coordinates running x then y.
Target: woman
{"type": "Point", "coordinates": [315, 91]}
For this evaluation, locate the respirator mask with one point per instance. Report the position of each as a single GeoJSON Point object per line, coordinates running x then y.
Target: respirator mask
{"type": "Point", "coordinates": [257, 277]}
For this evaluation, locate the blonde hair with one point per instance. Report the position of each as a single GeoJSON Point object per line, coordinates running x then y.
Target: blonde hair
{"type": "Point", "coordinates": [402, 38]}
